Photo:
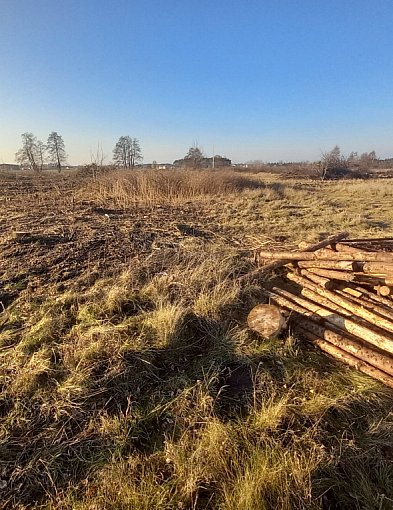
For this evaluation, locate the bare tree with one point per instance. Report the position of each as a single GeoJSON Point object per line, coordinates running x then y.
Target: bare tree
{"type": "Point", "coordinates": [97, 161]}
{"type": "Point", "coordinates": [361, 165]}
{"type": "Point", "coordinates": [127, 152]}
{"type": "Point", "coordinates": [332, 164]}
{"type": "Point", "coordinates": [41, 149]}
{"type": "Point", "coordinates": [367, 159]}
{"type": "Point", "coordinates": [194, 157]}
{"type": "Point", "coordinates": [28, 154]}
{"type": "Point", "coordinates": [56, 150]}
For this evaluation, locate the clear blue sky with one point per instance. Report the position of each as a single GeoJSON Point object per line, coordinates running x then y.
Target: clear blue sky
{"type": "Point", "coordinates": [267, 79]}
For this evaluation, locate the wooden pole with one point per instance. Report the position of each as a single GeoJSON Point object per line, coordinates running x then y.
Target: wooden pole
{"type": "Point", "coordinates": [382, 301]}
{"type": "Point", "coordinates": [377, 268]}
{"type": "Point", "coordinates": [343, 248]}
{"type": "Point", "coordinates": [349, 359]}
{"type": "Point", "coordinates": [306, 309]}
{"type": "Point", "coordinates": [341, 265]}
{"type": "Point", "coordinates": [320, 280]}
{"type": "Point", "coordinates": [280, 263]}
{"type": "Point", "coordinates": [303, 255]}
{"type": "Point", "coordinates": [330, 273]}
{"type": "Point", "coordinates": [347, 276]}
{"type": "Point", "coordinates": [345, 303]}
{"type": "Point", "coordinates": [347, 325]}
{"type": "Point", "coordinates": [349, 290]}
{"type": "Point", "coordinates": [367, 303]}
{"type": "Point", "coordinates": [349, 344]}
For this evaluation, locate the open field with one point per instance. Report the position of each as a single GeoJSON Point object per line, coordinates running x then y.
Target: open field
{"type": "Point", "coordinates": [129, 379]}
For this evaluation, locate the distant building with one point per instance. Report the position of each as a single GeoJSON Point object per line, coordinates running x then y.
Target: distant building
{"type": "Point", "coordinates": [9, 167]}
{"type": "Point", "coordinates": [216, 162]}
{"type": "Point", "coordinates": [155, 166]}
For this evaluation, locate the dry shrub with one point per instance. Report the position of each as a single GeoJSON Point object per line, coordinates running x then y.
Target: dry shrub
{"type": "Point", "coordinates": [168, 187]}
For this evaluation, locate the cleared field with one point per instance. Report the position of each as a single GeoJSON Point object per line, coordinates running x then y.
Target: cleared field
{"type": "Point", "coordinates": [128, 376]}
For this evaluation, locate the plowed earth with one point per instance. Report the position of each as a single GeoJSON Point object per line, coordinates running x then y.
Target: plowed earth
{"type": "Point", "coordinates": [50, 236]}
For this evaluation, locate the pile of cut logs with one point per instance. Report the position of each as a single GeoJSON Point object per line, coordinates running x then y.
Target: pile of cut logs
{"type": "Point", "coordinates": [338, 294]}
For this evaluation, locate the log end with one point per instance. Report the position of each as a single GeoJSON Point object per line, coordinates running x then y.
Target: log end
{"type": "Point", "coordinates": [267, 320]}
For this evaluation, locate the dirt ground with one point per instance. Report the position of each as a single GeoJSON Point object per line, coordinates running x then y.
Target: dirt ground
{"type": "Point", "coordinates": [50, 236]}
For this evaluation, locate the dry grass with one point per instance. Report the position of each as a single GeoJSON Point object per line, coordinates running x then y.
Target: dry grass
{"type": "Point", "coordinates": [169, 187]}
{"type": "Point", "coordinates": [141, 387]}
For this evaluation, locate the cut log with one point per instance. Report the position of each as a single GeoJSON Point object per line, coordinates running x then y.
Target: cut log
{"type": "Point", "coordinates": [384, 290]}
{"type": "Point", "coordinates": [343, 248]}
{"type": "Point", "coordinates": [377, 268]}
{"type": "Point", "coordinates": [320, 280]}
{"type": "Point", "coordinates": [349, 359]}
{"type": "Point", "coordinates": [372, 279]}
{"type": "Point", "coordinates": [267, 320]}
{"type": "Point", "coordinates": [347, 276]}
{"type": "Point", "coordinates": [350, 344]}
{"type": "Point", "coordinates": [351, 291]}
{"type": "Point", "coordinates": [365, 302]}
{"type": "Point", "coordinates": [370, 295]}
{"type": "Point", "coordinates": [341, 265]}
{"type": "Point", "coordinates": [303, 255]}
{"type": "Point", "coordinates": [345, 303]}
{"type": "Point", "coordinates": [325, 253]}
{"type": "Point", "coordinates": [381, 340]}
{"type": "Point", "coordinates": [280, 263]}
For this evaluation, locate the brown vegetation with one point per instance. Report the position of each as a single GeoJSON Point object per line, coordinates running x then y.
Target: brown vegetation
{"type": "Point", "coordinates": [129, 377]}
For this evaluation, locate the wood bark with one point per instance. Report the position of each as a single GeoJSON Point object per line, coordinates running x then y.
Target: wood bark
{"type": "Point", "coordinates": [343, 248]}
{"type": "Point", "coordinates": [348, 276]}
{"type": "Point", "coordinates": [345, 303]}
{"type": "Point", "coordinates": [349, 359]}
{"type": "Point", "coordinates": [341, 265]}
{"type": "Point", "coordinates": [320, 280]}
{"type": "Point", "coordinates": [350, 344]}
{"type": "Point", "coordinates": [280, 263]}
{"type": "Point", "coordinates": [362, 256]}
{"type": "Point", "coordinates": [267, 320]}
{"type": "Point", "coordinates": [369, 304]}
{"type": "Point", "coordinates": [383, 301]}
{"type": "Point", "coordinates": [309, 309]}
{"type": "Point", "coordinates": [377, 268]}
{"type": "Point", "coordinates": [380, 339]}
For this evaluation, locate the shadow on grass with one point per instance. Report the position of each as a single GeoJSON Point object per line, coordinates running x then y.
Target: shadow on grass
{"type": "Point", "coordinates": [50, 449]}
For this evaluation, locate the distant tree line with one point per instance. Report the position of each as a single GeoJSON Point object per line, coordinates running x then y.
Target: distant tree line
{"type": "Point", "coordinates": [34, 153]}
{"type": "Point", "coordinates": [332, 165]}
{"type": "Point", "coordinates": [127, 153]}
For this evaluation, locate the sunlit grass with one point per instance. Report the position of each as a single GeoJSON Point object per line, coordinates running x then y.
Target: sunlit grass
{"type": "Point", "coordinates": [145, 389]}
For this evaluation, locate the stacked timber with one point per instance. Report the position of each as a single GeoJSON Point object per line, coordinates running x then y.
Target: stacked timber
{"type": "Point", "coordinates": [337, 294]}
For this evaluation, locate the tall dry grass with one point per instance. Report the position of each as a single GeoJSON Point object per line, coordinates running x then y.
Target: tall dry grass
{"type": "Point", "coordinates": [149, 187]}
